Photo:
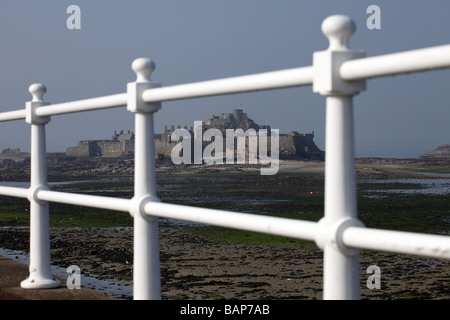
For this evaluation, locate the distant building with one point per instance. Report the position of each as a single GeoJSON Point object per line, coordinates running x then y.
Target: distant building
{"type": "Point", "coordinates": [121, 144]}
{"type": "Point", "coordinates": [293, 145]}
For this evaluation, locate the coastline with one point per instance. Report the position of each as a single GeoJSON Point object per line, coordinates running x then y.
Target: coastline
{"type": "Point", "coordinates": [194, 267]}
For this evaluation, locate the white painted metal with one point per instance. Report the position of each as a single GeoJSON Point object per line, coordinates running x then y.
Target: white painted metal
{"type": "Point", "coordinates": [146, 283]}
{"type": "Point", "coordinates": [425, 245]}
{"type": "Point", "coordinates": [261, 81]}
{"type": "Point", "coordinates": [146, 272]}
{"type": "Point", "coordinates": [12, 115]}
{"type": "Point", "coordinates": [40, 273]}
{"type": "Point", "coordinates": [14, 192]}
{"type": "Point", "coordinates": [112, 101]}
{"type": "Point", "coordinates": [250, 222]}
{"type": "Point", "coordinates": [341, 270]}
{"type": "Point", "coordinates": [107, 203]}
{"type": "Point", "coordinates": [397, 63]}
{"type": "Point", "coordinates": [341, 265]}
{"type": "Point", "coordinates": [337, 73]}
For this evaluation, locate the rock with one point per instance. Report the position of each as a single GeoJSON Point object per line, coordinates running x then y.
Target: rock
{"type": "Point", "coordinates": [11, 151]}
{"type": "Point", "coordinates": [13, 154]}
{"type": "Point", "coordinates": [442, 151]}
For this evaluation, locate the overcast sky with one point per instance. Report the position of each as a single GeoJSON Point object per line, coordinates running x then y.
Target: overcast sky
{"type": "Point", "coordinates": [196, 40]}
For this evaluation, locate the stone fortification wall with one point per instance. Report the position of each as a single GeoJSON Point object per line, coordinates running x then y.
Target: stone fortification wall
{"type": "Point", "coordinates": [118, 146]}
{"type": "Point", "coordinates": [237, 119]}
{"type": "Point", "coordinates": [81, 150]}
{"type": "Point", "coordinates": [292, 146]}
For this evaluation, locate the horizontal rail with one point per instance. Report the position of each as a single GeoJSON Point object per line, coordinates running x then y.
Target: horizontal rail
{"type": "Point", "coordinates": [12, 115]}
{"type": "Point", "coordinates": [111, 101]}
{"type": "Point", "coordinates": [396, 63]}
{"type": "Point", "coordinates": [256, 82]}
{"type": "Point", "coordinates": [108, 203]}
{"type": "Point", "coordinates": [428, 245]}
{"type": "Point", "coordinates": [357, 237]}
{"type": "Point", "coordinates": [14, 192]}
{"type": "Point", "coordinates": [365, 68]}
{"type": "Point", "coordinates": [297, 229]}
{"type": "Point", "coordinates": [248, 83]}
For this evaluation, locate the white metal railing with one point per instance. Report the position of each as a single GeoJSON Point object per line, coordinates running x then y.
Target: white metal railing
{"type": "Point", "coordinates": [337, 73]}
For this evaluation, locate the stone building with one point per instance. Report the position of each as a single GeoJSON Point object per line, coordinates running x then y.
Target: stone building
{"type": "Point", "coordinates": [237, 119]}
{"type": "Point", "coordinates": [121, 144]}
{"type": "Point", "coordinates": [292, 145]}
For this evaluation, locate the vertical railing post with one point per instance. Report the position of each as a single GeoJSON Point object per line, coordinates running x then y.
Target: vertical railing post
{"type": "Point", "coordinates": [146, 265]}
{"type": "Point", "coordinates": [40, 268]}
{"type": "Point", "coordinates": [341, 264]}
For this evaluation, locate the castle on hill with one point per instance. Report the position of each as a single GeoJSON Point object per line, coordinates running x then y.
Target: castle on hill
{"type": "Point", "coordinates": [292, 145]}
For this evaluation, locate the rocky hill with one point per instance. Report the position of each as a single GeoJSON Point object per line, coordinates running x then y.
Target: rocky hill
{"type": "Point", "coordinates": [442, 151]}
{"type": "Point", "coordinates": [13, 154]}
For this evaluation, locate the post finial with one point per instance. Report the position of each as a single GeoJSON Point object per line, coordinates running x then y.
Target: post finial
{"type": "Point", "coordinates": [338, 29]}
{"type": "Point", "coordinates": [143, 67]}
{"type": "Point", "coordinates": [37, 91]}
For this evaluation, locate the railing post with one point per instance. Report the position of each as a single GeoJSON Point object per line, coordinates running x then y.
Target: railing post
{"type": "Point", "coordinates": [40, 267]}
{"type": "Point", "coordinates": [146, 265]}
{"type": "Point", "coordinates": [341, 264]}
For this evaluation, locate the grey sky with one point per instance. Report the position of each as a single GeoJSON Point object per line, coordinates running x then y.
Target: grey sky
{"type": "Point", "coordinates": [202, 40]}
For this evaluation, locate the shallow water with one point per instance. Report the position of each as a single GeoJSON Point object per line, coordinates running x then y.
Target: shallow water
{"type": "Point", "coordinates": [111, 288]}
{"type": "Point", "coordinates": [428, 186]}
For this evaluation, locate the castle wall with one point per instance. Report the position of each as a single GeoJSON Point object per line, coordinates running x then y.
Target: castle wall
{"type": "Point", "coordinates": [109, 148]}
{"type": "Point", "coordinates": [292, 146]}
{"type": "Point", "coordinates": [98, 148]}
{"type": "Point", "coordinates": [127, 147]}
{"type": "Point", "coordinates": [81, 150]}
{"type": "Point", "coordinates": [163, 147]}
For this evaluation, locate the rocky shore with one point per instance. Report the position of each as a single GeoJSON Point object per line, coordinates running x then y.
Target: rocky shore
{"type": "Point", "coordinates": [61, 168]}
{"type": "Point", "coordinates": [193, 268]}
